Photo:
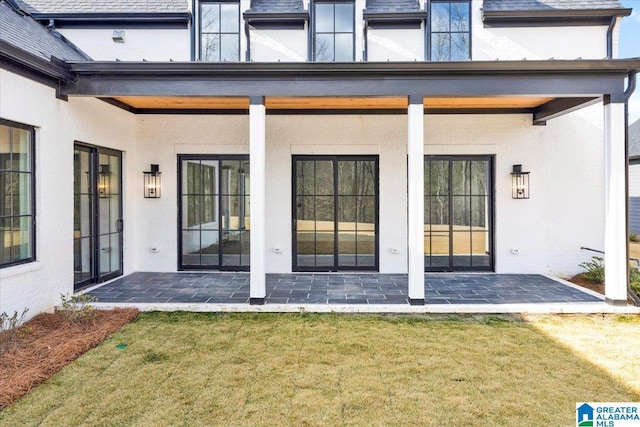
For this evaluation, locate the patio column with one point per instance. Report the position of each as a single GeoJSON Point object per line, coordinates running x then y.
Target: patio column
{"type": "Point", "coordinates": [615, 233]}
{"type": "Point", "coordinates": [257, 117]}
{"type": "Point", "coordinates": [415, 177]}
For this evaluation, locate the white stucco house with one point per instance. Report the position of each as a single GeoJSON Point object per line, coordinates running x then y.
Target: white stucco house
{"type": "Point", "coordinates": [288, 136]}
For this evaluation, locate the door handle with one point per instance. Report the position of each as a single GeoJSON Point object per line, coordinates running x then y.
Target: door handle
{"type": "Point", "coordinates": [119, 225]}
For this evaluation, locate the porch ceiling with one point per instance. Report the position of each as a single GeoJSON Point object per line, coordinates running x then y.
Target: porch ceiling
{"type": "Point", "coordinates": [330, 103]}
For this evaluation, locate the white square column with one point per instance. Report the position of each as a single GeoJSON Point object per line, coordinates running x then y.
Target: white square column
{"type": "Point", "coordinates": [257, 169]}
{"type": "Point", "coordinates": [615, 233]}
{"type": "Point", "coordinates": [415, 184]}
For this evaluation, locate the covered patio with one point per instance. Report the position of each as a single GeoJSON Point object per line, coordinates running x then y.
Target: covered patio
{"type": "Point", "coordinates": [222, 291]}
{"type": "Point", "coordinates": [253, 95]}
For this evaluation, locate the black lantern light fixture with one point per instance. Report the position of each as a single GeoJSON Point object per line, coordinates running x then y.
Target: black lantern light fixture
{"type": "Point", "coordinates": [152, 183]}
{"type": "Point", "coordinates": [519, 183]}
{"type": "Point", "coordinates": [104, 180]}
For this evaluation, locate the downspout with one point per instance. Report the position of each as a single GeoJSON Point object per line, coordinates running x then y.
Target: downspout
{"type": "Point", "coordinates": [631, 87]}
{"type": "Point", "coordinates": [247, 34]}
{"type": "Point", "coordinates": [612, 25]}
{"type": "Point", "coordinates": [365, 31]}
{"type": "Point", "coordinates": [194, 21]}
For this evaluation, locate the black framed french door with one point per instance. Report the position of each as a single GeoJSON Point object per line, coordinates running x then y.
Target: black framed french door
{"type": "Point", "coordinates": [97, 219]}
{"type": "Point", "coordinates": [214, 224]}
{"type": "Point", "coordinates": [335, 213]}
{"type": "Point", "coordinates": [458, 213]}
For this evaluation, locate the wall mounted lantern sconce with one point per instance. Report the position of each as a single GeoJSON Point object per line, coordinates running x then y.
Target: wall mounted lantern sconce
{"type": "Point", "coordinates": [519, 183]}
{"type": "Point", "coordinates": [152, 183]}
{"type": "Point", "coordinates": [104, 180]}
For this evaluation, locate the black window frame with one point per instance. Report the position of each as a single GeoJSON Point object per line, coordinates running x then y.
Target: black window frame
{"type": "Point", "coordinates": [491, 199]}
{"type": "Point", "coordinates": [313, 33]}
{"type": "Point", "coordinates": [336, 267]}
{"type": "Point", "coordinates": [430, 31]}
{"type": "Point", "coordinates": [182, 266]}
{"type": "Point", "coordinates": [32, 196]}
{"type": "Point", "coordinates": [220, 33]}
{"type": "Point", "coordinates": [97, 276]}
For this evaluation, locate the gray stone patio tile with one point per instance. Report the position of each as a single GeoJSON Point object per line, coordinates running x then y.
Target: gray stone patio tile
{"type": "Point", "coordinates": [342, 288]}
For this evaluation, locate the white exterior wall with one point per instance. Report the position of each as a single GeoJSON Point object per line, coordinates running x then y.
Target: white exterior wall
{"type": "Point", "coordinates": [279, 45]}
{"type": "Point", "coordinates": [395, 45]}
{"type": "Point", "coordinates": [488, 43]}
{"type": "Point", "coordinates": [385, 136]}
{"type": "Point", "coordinates": [516, 43]}
{"type": "Point", "coordinates": [538, 43]}
{"type": "Point", "coordinates": [139, 44]}
{"type": "Point", "coordinates": [159, 140]}
{"type": "Point", "coordinates": [565, 159]}
{"type": "Point", "coordinates": [58, 124]}
{"type": "Point", "coordinates": [566, 208]}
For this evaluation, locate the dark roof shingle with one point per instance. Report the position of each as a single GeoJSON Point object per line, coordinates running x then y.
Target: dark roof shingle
{"type": "Point", "coordinates": [276, 6]}
{"type": "Point", "coordinates": [541, 5]}
{"type": "Point", "coordinates": [23, 32]}
{"type": "Point", "coordinates": [392, 6]}
{"type": "Point", "coordinates": [109, 6]}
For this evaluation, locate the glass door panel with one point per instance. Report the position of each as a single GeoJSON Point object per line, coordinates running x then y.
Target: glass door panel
{"type": "Point", "coordinates": [83, 224]}
{"type": "Point", "coordinates": [214, 205]}
{"type": "Point", "coordinates": [458, 217]}
{"type": "Point", "coordinates": [110, 207]}
{"type": "Point", "coordinates": [335, 213]}
{"type": "Point", "coordinates": [97, 215]}
{"type": "Point", "coordinates": [200, 223]}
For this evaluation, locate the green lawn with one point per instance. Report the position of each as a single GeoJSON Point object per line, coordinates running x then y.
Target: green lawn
{"type": "Point", "coordinates": [284, 369]}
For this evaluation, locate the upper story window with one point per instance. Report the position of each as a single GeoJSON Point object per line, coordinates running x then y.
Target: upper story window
{"type": "Point", "coordinates": [333, 31]}
{"type": "Point", "coordinates": [17, 219]}
{"type": "Point", "coordinates": [219, 31]}
{"type": "Point", "coordinates": [450, 30]}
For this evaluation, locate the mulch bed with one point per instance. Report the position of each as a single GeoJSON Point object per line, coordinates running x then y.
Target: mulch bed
{"type": "Point", "coordinates": [597, 287]}
{"type": "Point", "coordinates": [49, 342]}
{"type": "Point", "coordinates": [581, 281]}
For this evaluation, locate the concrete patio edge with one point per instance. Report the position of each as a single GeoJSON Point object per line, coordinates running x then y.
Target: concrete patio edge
{"type": "Point", "coordinates": [538, 308]}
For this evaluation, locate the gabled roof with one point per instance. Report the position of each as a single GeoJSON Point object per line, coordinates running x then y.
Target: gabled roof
{"type": "Point", "coordinates": [634, 140]}
{"type": "Point", "coordinates": [108, 6]}
{"type": "Point", "coordinates": [21, 31]}
{"type": "Point", "coordinates": [276, 6]}
{"type": "Point", "coordinates": [392, 6]}
{"type": "Point", "coordinates": [539, 5]}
